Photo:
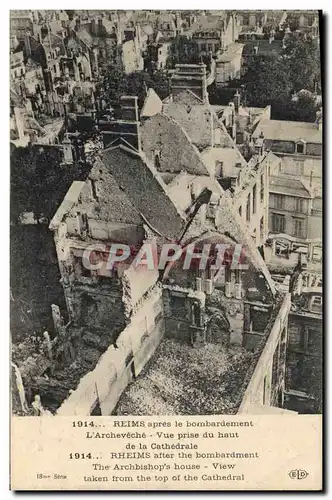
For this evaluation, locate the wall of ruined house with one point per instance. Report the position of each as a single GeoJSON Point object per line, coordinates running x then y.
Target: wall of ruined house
{"type": "Point", "coordinates": [161, 135]}
{"type": "Point", "coordinates": [118, 366]}
{"type": "Point", "coordinates": [179, 321]}
{"type": "Point", "coordinates": [258, 382]}
{"type": "Point", "coordinates": [261, 208]}
{"type": "Point", "coordinates": [137, 281]}
{"type": "Point", "coordinates": [304, 353]}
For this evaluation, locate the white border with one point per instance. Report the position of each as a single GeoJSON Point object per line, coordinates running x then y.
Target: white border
{"type": "Point", "coordinates": [4, 184]}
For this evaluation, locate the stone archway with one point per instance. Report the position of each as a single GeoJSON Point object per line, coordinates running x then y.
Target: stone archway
{"type": "Point", "coordinates": [218, 330]}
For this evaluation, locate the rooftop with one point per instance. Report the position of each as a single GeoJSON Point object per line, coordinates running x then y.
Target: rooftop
{"type": "Point", "coordinates": [293, 187]}
{"type": "Point", "coordinates": [182, 380]}
{"type": "Point", "coordinates": [231, 51]}
{"type": "Point", "coordinates": [283, 130]}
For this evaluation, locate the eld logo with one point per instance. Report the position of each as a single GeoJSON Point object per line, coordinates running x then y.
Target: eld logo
{"type": "Point", "coordinates": [298, 474]}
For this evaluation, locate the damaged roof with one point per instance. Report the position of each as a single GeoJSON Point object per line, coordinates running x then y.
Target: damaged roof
{"type": "Point", "coordinates": [145, 188]}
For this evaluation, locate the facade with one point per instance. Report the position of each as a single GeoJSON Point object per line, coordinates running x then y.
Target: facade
{"type": "Point", "coordinates": [295, 203]}
{"type": "Point", "coordinates": [229, 64]}
{"type": "Point", "coordinates": [304, 373]}
{"type": "Point", "coordinates": [214, 34]}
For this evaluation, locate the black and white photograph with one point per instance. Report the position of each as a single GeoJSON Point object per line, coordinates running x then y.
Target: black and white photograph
{"type": "Point", "coordinates": [166, 251]}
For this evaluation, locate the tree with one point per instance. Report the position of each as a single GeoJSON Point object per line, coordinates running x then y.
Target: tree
{"type": "Point", "coordinates": [301, 57]}
{"type": "Point", "coordinates": [267, 82]}
{"type": "Point", "coordinates": [117, 84]}
{"type": "Point", "coordinates": [39, 183]}
{"type": "Point", "coordinates": [303, 109]}
{"type": "Point", "coordinates": [182, 51]}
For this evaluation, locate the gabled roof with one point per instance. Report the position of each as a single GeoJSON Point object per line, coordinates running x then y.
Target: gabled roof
{"type": "Point", "coordinates": [67, 204]}
{"type": "Point", "coordinates": [198, 121]}
{"type": "Point", "coordinates": [86, 38]}
{"type": "Point", "coordinates": [152, 104]}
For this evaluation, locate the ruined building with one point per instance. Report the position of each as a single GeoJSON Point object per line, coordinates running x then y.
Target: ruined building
{"type": "Point", "coordinates": [152, 341]}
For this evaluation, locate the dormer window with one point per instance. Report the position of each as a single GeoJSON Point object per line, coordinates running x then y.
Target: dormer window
{"type": "Point", "coordinates": [300, 147]}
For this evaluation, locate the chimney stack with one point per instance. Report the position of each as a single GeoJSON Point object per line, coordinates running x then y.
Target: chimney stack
{"type": "Point", "coordinates": [127, 127]}
{"type": "Point", "coordinates": [237, 102]}
{"type": "Point", "coordinates": [67, 151]}
{"type": "Point", "coordinates": [190, 77]}
{"type": "Point", "coordinates": [27, 45]}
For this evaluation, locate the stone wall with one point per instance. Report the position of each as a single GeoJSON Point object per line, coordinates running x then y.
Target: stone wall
{"type": "Point", "coordinates": [119, 365]}
{"type": "Point", "coordinates": [258, 383]}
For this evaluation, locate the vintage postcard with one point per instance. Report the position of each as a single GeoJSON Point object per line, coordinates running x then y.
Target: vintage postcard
{"type": "Point", "coordinates": [166, 249]}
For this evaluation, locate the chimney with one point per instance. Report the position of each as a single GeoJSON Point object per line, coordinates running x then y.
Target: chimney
{"type": "Point", "coordinates": [27, 45]}
{"type": "Point", "coordinates": [237, 102]}
{"type": "Point", "coordinates": [259, 144]}
{"type": "Point", "coordinates": [67, 151]}
{"type": "Point", "coordinates": [19, 122]}
{"type": "Point", "coordinates": [100, 27]}
{"type": "Point", "coordinates": [127, 127]}
{"type": "Point", "coordinates": [93, 27]}
{"type": "Point", "coordinates": [190, 77]}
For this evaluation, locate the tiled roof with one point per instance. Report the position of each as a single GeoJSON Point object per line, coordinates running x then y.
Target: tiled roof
{"type": "Point", "coordinates": [283, 130]}
{"type": "Point", "coordinates": [113, 204]}
{"type": "Point", "coordinates": [145, 188]}
{"type": "Point", "coordinates": [197, 121]}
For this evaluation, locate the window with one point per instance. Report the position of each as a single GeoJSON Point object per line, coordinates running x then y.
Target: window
{"type": "Point", "coordinates": [299, 205]}
{"type": "Point", "coordinates": [262, 187]}
{"type": "Point", "coordinates": [278, 223]}
{"type": "Point", "coordinates": [261, 226]}
{"type": "Point", "coordinates": [219, 169]}
{"type": "Point", "coordinates": [317, 304]}
{"type": "Point", "coordinates": [254, 199]}
{"type": "Point", "coordinates": [248, 209]}
{"type": "Point", "coordinates": [299, 148]}
{"type": "Point", "coordinates": [299, 228]}
{"type": "Point", "coordinates": [279, 201]}
{"type": "Point", "coordinates": [210, 47]}
{"type": "Point", "coordinates": [240, 211]}
{"type": "Point", "coordinates": [304, 337]}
